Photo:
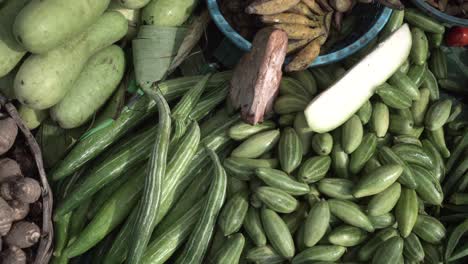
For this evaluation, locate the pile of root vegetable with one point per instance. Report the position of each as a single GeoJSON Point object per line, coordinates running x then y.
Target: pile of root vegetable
{"type": "Point", "coordinates": [24, 218]}
{"type": "Point", "coordinates": [453, 8]}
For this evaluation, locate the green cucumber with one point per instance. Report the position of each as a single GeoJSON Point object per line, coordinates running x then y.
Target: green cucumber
{"type": "Point", "coordinates": [382, 221]}
{"type": "Point", "coordinates": [429, 229]}
{"type": "Point", "coordinates": [367, 250]}
{"type": "Point", "coordinates": [230, 251]}
{"type": "Point", "coordinates": [244, 168]}
{"type": "Point", "coordinates": [385, 201]}
{"type": "Point", "coordinates": [296, 218]}
{"type": "Point", "coordinates": [395, 21]}
{"type": "Point", "coordinates": [340, 160]}
{"type": "Point", "coordinates": [378, 180]}
{"type": "Point", "coordinates": [289, 150]}
{"type": "Point", "coordinates": [350, 213]}
{"type": "Point", "coordinates": [405, 84]}
{"type": "Point", "coordinates": [347, 236]}
{"type": "Point", "coordinates": [322, 144]}
{"type": "Point", "coordinates": [418, 19]}
{"type": "Point", "coordinates": [416, 74]}
{"type": "Point", "coordinates": [380, 120]}
{"type": "Point", "coordinates": [438, 114]}
{"type": "Point", "coordinates": [233, 213]}
{"type": "Point", "coordinates": [253, 226]}
{"type": "Point", "coordinates": [307, 80]}
{"type": "Point", "coordinates": [438, 64]}
{"type": "Point", "coordinates": [413, 249]}
{"type": "Point", "coordinates": [282, 181]}
{"type": "Point", "coordinates": [264, 255]}
{"type": "Point", "coordinates": [363, 153]}
{"type": "Point", "coordinates": [257, 144]}
{"type": "Point", "coordinates": [365, 112]}
{"type": "Point", "coordinates": [241, 130]}
{"type": "Point", "coordinates": [276, 199]}
{"type": "Point", "coordinates": [413, 154]}
{"type": "Point", "coordinates": [390, 251]}
{"type": "Point", "coordinates": [437, 138]}
{"type": "Point", "coordinates": [199, 239]}
{"type": "Point", "coordinates": [336, 188]}
{"type": "Point", "coordinates": [288, 104]}
{"type": "Point", "coordinates": [301, 126]}
{"type": "Point", "coordinates": [429, 189]}
{"type": "Point", "coordinates": [290, 86]}
{"type": "Point", "coordinates": [277, 233]}
{"type": "Point", "coordinates": [319, 253]}
{"type": "Point", "coordinates": [388, 156]}
{"type": "Point", "coordinates": [286, 120]}
{"type": "Point", "coordinates": [430, 82]}
{"type": "Point", "coordinates": [439, 164]}
{"type": "Point", "coordinates": [351, 134]}
{"type": "Point", "coordinates": [420, 46]}
{"type": "Point", "coordinates": [400, 125]}
{"type": "Point", "coordinates": [393, 97]}
{"type": "Point", "coordinates": [419, 107]}
{"type": "Point", "coordinates": [316, 224]}
{"type": "Point", "coordinates": [314, 169]}
{"type": "Point", "coordinates": [407, 139]}
{"type": "Point", "coordinates": [406, 211]}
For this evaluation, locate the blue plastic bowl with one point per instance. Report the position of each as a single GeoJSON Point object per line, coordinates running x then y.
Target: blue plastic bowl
{"type": "Point", "coordinates": [371, 20]}
{"type": "Point", "coordinates": [441, 16]}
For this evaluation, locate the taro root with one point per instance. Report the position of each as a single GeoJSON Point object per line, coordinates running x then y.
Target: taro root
{"type": "Point", "coordinates": [9, 170]}
{"type": "Point", "coordinates": [20, 209]}
{"type": "Point", "coordinates": [6, 217]}
{"type": "Point", "coordinates": [8, 133]}
{"type": "Point", "coordinates": [256, 79]}
{"type": "Point", "coordinates": [13, 255]}
{"type": "Point", "coordinates": [23, 234]}
{"type": "Point", "coordinates": [26, 190]}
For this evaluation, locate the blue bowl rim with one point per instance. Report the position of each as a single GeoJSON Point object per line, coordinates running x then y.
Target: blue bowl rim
{"type": "Point", "coordinates": [329, 58]}
{"type": "Point", "coordinates": [434, 12]}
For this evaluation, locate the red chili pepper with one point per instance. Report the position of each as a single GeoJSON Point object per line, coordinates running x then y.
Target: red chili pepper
{"type": "Point", "coordinates": [457, 37]}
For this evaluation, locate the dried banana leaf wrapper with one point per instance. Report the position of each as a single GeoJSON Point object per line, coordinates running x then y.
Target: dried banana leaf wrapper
{"type": "Point", "coordinates": [154, 50]}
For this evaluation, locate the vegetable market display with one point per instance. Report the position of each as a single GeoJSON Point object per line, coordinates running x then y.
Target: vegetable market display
{"type": "Point", "coordinates": [363, 161]}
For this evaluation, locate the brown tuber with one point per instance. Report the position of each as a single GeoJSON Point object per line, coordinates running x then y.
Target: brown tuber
{"type": "Point", "coordinates": [9, 170]}
{"type": "Point", "coordinates": [256, 79]}
{"type": "Point", "coordinates": [20, 209]}
{"type": "Point", "coordinates": [6, 217]}
{"type": "Point", "coordinates": [23, 234]}
{"type": "Point", "coordinates": [13, 255]}
{"type": "Point", "coordinates": [26, 190]}
{"type": "Point", "coordinates": [8, 133]}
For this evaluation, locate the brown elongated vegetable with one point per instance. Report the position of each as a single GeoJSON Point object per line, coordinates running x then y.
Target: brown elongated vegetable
{"type": "Point", "coordinates": [270, 7]}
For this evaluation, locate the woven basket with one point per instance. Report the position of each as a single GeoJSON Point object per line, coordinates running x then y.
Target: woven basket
{"type": "Point", "coordinates": [44, 247]}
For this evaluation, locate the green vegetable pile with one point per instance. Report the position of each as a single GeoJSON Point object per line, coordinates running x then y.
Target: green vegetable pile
{"type": "Point", "coordinates": [177, 177]}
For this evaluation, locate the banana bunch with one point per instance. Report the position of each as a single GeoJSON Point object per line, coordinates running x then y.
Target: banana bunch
{"type": "Point", "coordinates": [308, 23]}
